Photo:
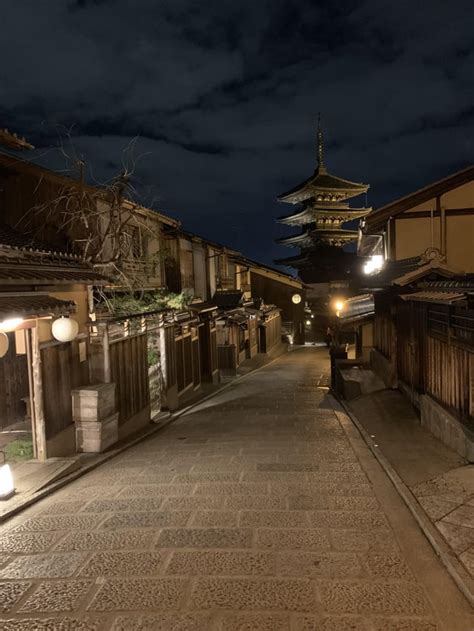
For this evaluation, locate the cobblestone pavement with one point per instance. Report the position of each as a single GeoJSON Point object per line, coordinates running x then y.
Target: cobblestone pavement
{"type": "Point", "coordinates": [261, 509]}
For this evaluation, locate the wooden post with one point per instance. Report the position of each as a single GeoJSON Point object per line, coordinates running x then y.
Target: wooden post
{"type": "Point", "coordinates": [106, 347]}
{"type": "Point", "coordinates": [31, 390]}
{"type": "Point", "coordinates": [163, 357]}
{"type": "Point", "coordinates": [38, 403]}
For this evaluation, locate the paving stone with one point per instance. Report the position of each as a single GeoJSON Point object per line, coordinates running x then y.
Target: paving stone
{"type": "Point", "coordinates": [164, 622]}
{"type": "Point", "coordinates": [333, 623]}
{"type": "Point", "coordinates": [53, 624]}
{"type": "Point", "coordinates": [28, 542]}
{"type": "Point", "coordinates": [389, 598]}
{"type": "Point", "coordinates": [348, 519]}
{"type": "Point", "coordinates": [458, 537]}
{"type": "Point", "coordinates": [57, 596]}
{"type": "Point", "coordinates": [255, 622]}
{"type": "Point", "coordinates": [290, 594]}
{"type": "Point", "coordinates": [192, 502]}
{"type": "Point", "coordinates": [150, 519]}
{"type": "Point", "coordinates": [205, 538]}
{"type": "Point", "coordinates": [287, 466]}
{"type": "Point", "coordinates": [461, 516]}
{"type": "Point", "coordinates": [310, 539]}
{"type": "Point", "coordinates": [308, 502]}
{"type": "Point", "coordinates": [276, 519]}
{"type": "Point", "coordinates": [355, 503]}
{"type": "Point", "coordinates": [388, 566]}
{"type": "Point", "coordinates": [229, 488]}
{"type": "Point", "coordinates": [52, 565]}
{"type": "Point", "coordinates": [61, 508]}
{"type": "Point", "coordinates": [467, 558]}
{"type": "Point", "coordinates": [140, 594]}
{"type": "Point", "coordinates": [106, 540]}
{"type": "Point", "coordinates": [324, 564]}
{"type": "Point", "coordinates": [165, 490]}
{"type": "Point", "coordinates": [126, 505]}
{"type": "Point", "coordinates": [59, 522]}
{"type": "Point", "coordinates": [219, 476]}
{"type": "Point", "coordinates": [413, 624]}
{"type": "Point", "coordinates": [357, 541]}
{"type": "Point", "coordinates": [215, 519]}
{"type": "Point", "coordinates": [11, 593]}
{"type": "Point", "coordinates": [224, 562]}
{"type": "Point", "coordinates": [123, 564]}
{"type": "Point", "coordinates": [259, 502]}
{"type": "Point", "coordinates": [436, 507]}
{"type": "Point", "coordinates": [275, 476]}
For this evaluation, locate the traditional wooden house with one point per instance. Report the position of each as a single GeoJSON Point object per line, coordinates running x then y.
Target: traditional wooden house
{"type": "Point", "coordinates": [37, 371]}
{"type": "Point", "coordinates": [421, 276]}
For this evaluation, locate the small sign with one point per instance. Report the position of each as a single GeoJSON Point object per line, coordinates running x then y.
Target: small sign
{"type": "Point", "coordinates": [82, 351]}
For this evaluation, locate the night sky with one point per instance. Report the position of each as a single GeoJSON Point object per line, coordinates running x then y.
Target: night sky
{"type": "Point", "coordinates": [222, 98]}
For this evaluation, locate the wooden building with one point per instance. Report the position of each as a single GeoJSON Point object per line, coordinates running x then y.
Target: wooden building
{"type": "Point", "coordinates": [422, 286]}
{"type": "Point", "coordinates": [38, 373]}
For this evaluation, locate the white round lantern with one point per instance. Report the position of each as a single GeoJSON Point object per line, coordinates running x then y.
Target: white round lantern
{"type": "Point", "coordinates": [65, 329]}
{"type": "Point", "coordinates": [4, 344]}
{"type": "Point", "coordinates": [296, 298]}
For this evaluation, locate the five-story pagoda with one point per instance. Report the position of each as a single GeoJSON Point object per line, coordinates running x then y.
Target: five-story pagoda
{"type": "Point", "coordinates": [325, 209]}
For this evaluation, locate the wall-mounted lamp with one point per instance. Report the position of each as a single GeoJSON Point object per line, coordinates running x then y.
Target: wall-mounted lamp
{"type": "Point", "coordinates": [10, 324]}
{"type": "Point", "coordinates": [374, 264]}
{"type": "Point", "coordinates": [296, 299]}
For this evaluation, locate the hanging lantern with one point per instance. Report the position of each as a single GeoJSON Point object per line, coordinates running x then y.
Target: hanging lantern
{"type": "Point", "coordinates": [65, 329]}
{"type": "Point", "coordinates": [4, 344]}
{"type": "Point", "coordinates": [296, 299]}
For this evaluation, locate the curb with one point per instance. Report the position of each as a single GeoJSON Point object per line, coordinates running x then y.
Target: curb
{"type": "Point", "coordinates": [49, 490]}
{"type": "Point", "coordinates": [455, 568]}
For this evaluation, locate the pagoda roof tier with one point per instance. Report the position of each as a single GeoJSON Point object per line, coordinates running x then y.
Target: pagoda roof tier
{"type": "Point", "coordinates": [323, 187]}
{"type": "Point", "coordinates": [308, 238]}
{"type": "Point", "coordinates": [340, 212]}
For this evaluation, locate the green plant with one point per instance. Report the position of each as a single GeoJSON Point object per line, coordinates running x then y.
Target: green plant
{"type": "Point", "coordinates": [18, 450]}
{"type": "Point", "coordinates": [124, 304]}
{"type": "Point", "coordinates": [153, 357]}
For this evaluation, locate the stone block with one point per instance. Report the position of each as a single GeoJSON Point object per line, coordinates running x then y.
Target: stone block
{"type": "Point", "coordinates": [96, 436]}
{"type": "Point", "coordinates": [93, 403]}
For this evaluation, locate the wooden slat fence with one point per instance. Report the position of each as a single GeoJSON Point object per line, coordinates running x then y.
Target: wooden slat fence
{"type": "Point", "coordinates": [129, 367]}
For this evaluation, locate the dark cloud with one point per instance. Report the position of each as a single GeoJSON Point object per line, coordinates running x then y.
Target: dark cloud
{"type": "Point", "coordinates": [223, 97]}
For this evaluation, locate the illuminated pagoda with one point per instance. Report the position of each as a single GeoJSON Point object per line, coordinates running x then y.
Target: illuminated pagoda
{"type": "Point", "coordinates": [321, 218]}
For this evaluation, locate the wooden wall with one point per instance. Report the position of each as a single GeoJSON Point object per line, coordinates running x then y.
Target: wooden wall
{"type": "Point", "coordinates": [13, 385]}
{"type": "Point", "coordinates": [62, 371]}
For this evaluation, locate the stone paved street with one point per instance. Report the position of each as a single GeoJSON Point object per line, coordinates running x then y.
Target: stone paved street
{"type": "Point", "coordinates": [261, 509]}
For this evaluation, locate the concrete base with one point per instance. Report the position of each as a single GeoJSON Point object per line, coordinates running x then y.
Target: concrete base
{"type": "Point", "coordinates": [384, 369]}
{"type": "Point", "coordinates": [134, 424]}
{"type": "Point", "coordinates": [63, 444]}
{"type": "Point", "coordinates": [447, 428]}
{"type": "Point", "coordinates": [412, 395]}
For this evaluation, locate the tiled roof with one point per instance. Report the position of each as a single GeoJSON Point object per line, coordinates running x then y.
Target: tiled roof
{"type": "Point", "coordinates": [440, 297]}
{"type": "Point", "coordinates": [13, 141]}
{"type": "Point", "coordinates": [227, 299]}
{"type": "Point", "coordinates": [14, 306]}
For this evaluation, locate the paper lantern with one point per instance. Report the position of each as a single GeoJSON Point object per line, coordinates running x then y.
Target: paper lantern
{"type": "Point", "coordinates": [4, 344]}
{"type": "Point", "coordinates": [296, 298]}
{"type": "Point", "coordinates": [65, 329]}
{"type": "Point", "coordinates": [7, 488]}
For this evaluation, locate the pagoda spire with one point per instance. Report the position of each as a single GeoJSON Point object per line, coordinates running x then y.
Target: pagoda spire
{"type": "Point", "coordinates": [321, 167]}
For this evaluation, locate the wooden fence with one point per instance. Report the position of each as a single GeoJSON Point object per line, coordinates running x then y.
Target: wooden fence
{"type": "Point", "coordinates": [129, 370]}
{"type": "Point", "coordinates": [435, 353]}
